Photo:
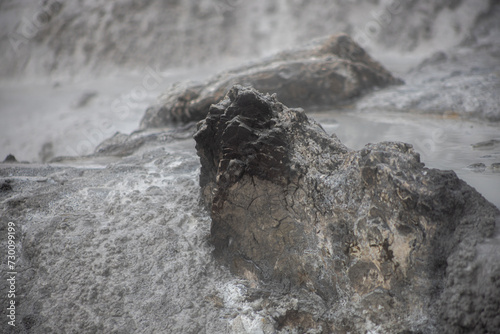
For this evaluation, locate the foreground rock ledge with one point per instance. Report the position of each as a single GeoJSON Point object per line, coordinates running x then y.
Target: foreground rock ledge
{"type": "Point", "coordinates": [384, 241]}
{"type": "Point", "coordinates": [327, 74]}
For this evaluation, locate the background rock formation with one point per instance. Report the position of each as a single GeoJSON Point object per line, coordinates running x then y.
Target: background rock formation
{"type": "Point", "coordinates": [370, 232]}
{"type": "Point", "coordinates": [327, 75]}
{"type": "Point", "coordinates": [56, 37]}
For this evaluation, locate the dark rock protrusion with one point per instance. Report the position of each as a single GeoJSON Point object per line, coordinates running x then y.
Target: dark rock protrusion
{"type": "Point", "coordinates": [10, 159]}
{"type": "Point", "coordinates": [328, 74]}
{"type": "Point", "coordinates": [5, 186]}
{"type": "Point", "coordinates": [371, 232]}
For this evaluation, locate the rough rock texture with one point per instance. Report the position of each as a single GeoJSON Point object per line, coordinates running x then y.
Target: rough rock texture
{"type": "Point", "coordinates": [117, 242]}
{"type": "Point", "coordinates": [385, 244]}
{"type": "Point", "coordinates": [327, 74]}
{"type": "Point", "coordinates": [460, 83]}
{"type": "Point", "coordinates": [116, 245]}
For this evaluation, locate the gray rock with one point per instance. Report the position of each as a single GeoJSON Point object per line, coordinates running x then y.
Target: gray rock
{"type": "Point", "coordinates": [328, 74]}
{"type": "Point", "coordinates": [10, 159]}
{"type": "Point", "coordinates": [486, 144]}
{"type": "Point", "coordinates": [117, 241]}
{"type": "Point", "coordinates": [378, 240]}
{"type": "Point", "coordinates": [114, 247]}
{"type": "Point", "coordinates": [477, 167]}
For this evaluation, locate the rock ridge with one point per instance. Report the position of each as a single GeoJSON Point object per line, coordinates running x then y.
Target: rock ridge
{"type": "Point", "coordinates": [370, 232]}
{"type": "Point", "coordinates": [321, 75]}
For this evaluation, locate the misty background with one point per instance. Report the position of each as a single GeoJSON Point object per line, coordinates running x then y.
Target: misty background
{"type": "Point", "coordinates": [73, 73]}
{"type": "Point", "coordinates": [63, 38]}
